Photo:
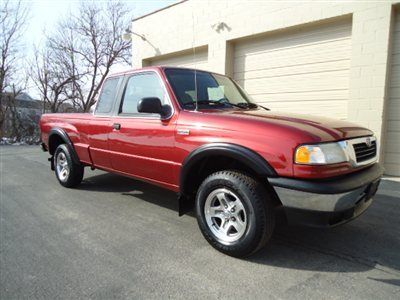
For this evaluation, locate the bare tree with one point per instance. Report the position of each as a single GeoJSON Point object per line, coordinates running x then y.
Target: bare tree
{"type": "Point", "coordinates": [20, 123]}
{"type": "Point", "coordinates": [20, 126]}
{"type": "Point", "coordinates": [53, 77]}
{"type": "Point", "coordinates": [13, 18]}
{"type": "Point", "coordinates": [90, 43]}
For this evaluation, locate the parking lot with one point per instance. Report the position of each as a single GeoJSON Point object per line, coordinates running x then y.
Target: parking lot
{"type": "Point", "coordinates": [115, 237]}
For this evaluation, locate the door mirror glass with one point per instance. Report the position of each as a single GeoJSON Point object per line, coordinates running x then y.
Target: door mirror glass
{"type": "Point", "coordinates": [153, 105]}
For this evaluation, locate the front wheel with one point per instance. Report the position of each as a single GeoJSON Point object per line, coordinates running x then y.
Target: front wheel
{"type": "Point", "coordinates": [68, 173]}
{"type": "Point", "coordinates": [234, 213]}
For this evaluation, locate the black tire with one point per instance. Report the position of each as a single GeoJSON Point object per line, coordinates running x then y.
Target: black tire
{"type": "Point", "coordinates": [256, 204]}
{"type": "Point", "coordinates": [74, 176]}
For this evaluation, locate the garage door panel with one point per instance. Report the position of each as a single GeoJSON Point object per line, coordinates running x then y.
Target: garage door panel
{"type": "Point", "coordinates": [299, 38]}
{"type": "Point", "coordinates": [396, 27]}
{"type": "Point", "coordinates": [392, 169]}
{"type": "Point", "coordinates": [187, 60]}
{"type": "Point", "coordinates": [304, 96]}
{"type": "Point", "coordinates": [392, 138]}
{"type": "Point", "coordinates": [323, 51]}
{"type": "Point", "coordinates": [396, 49]}
{"type": "Point", "coordinates": [299, 83]}
{"type": "Point", "coordinates": [396, 45]}
{"type": "Point", "coordinates": [317, 67]}
{"type": "Point", "coordinates": [396, 58]}
{"type": "Point", "coordinates": [304, 71]}
{"type": "Point", "coordinates": [311, 107]}
{"type": "Point", "coordinates": [299, 57]}
{"type": "Point", "coordinates": [395, 78]}
{"type": "Point", "coordinates": [393, 110]}
{"type": "Point", "coordinates": [393, 125]}
{"type": "Point", "coordinates": [392, 158]}
{"type": "Point", "coordinates": [392, 141]}
{"type": "Point", "coordinates": [394, 92]}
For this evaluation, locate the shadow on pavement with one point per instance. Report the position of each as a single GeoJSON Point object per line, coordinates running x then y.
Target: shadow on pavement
{"type": "Point", "coordinates": [388, 281]}
{"type": "Point", "coordinates": [108, 182]}
{"type": "Point", "coordinates": [371, 240]}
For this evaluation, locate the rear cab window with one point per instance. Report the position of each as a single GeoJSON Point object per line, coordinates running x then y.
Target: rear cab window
{"type": "Point", "coordinates": [107, 96]}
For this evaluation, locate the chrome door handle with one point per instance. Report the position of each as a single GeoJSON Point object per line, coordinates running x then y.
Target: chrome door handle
{"type": "Point", "coordinates": [117, 126]}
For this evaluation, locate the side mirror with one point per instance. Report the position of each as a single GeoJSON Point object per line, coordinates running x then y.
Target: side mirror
{"type": "Point", "coordinates": [152, 105]}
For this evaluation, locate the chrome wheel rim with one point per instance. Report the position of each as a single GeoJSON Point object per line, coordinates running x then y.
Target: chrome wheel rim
{"type": "Point", "coordinates": [225, 215]}
{"type": "Point", "coordinates": [62, 166]}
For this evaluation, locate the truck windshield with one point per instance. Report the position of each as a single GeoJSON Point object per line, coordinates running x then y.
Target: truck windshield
{"type": "Point", "coordinates": [213, 91]}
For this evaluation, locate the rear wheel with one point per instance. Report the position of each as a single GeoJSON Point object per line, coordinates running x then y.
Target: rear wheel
{"type": "Point", "coordinates": [68, 173]}
{"type": "Point", "coordinates": [234, 213]}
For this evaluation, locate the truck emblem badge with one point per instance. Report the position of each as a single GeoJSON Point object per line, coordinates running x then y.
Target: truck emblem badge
{"type": "Point", "coordinates": [368, 142]}
{"type": "Point", "coordinates": [183, 131]}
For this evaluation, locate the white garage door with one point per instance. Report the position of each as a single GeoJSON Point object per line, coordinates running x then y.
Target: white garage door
{"type": "Point", "coordinates": [187, 59]}
{"type": "Point", "coordinates": [304, 70]}
{"type": "Point", "coordinates": [392, 139]}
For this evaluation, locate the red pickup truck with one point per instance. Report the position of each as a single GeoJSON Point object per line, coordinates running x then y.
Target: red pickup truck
{"type": "Point", "coordinates": [237, 163]}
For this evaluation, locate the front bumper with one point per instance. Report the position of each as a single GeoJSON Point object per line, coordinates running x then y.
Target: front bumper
{"type": "Point", "coordinates": [328, 202]}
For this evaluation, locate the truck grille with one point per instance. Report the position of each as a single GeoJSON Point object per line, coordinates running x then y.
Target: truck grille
{"type": "Point", "coordinates": [364, 152]}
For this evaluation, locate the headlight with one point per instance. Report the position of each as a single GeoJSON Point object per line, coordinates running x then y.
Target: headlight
{"type": "Point", "coordinates": [321, 154]}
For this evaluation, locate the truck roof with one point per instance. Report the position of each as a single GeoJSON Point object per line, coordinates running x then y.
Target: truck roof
{"type": "Point", "coordinates": [127, 72]}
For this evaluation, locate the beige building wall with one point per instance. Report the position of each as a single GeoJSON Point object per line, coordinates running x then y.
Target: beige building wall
{"type": "Point", "coordinates": [392, 107]}
{"type": "Point", "coordinates": [218, 29]}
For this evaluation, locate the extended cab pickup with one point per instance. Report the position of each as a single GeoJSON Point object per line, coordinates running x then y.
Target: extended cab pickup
{"type": "Point", "coordinates": [237, 163]}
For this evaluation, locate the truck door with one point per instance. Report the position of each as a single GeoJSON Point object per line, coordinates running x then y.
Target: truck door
{"type": "Point", "coordinates": [141, 144]}
{"type": "Point", "coordinates": [101, 124]}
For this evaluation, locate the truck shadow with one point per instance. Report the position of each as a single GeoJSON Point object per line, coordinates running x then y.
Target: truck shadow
{"type": "Point", "coordinates": [371, 241]}
{"type": "Point", "coordinates": [108, 182]}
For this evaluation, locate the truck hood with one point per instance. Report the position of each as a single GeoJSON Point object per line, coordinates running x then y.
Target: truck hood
{"type": "Point", "coordinates": [310, 128]}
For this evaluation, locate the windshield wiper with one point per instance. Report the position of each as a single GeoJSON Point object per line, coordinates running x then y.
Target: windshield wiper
{"type": "Point", "coordinates": [244, 105]}
{"type": "Point", "coordinates": [208, 102]}
{"type": "Point", "coordinates": [266, 108]}
{"type": "Point", "coordinates": [223, 102]}
{"type": "Point", "coordinates": [248, 105]}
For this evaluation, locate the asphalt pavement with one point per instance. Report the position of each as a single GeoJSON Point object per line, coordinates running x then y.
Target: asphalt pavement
{"type": "Point", "coordinates": [115, 237]}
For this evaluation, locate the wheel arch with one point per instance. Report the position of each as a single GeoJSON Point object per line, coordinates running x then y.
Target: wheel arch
{"type": "Point", "coordinates": [59, 136]}
{"type": "Point", "coordinates": [212, 157]}
{"type": "Point", "coordinates": [245, 156]}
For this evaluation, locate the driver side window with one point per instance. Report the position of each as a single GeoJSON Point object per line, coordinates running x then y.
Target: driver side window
{"type": "Point", "coordinates": [141, 86]}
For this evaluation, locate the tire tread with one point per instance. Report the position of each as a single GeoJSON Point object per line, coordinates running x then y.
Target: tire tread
{"type": "Point", "coordinates": [76, 170]}
{"type": "Point", "coordinates": [262, 207]}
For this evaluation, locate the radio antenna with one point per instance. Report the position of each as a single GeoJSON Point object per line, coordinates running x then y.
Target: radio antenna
{"type": "Point", "coordinates": [194, 63]}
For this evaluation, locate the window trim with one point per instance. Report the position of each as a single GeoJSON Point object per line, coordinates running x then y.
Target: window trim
{"type": "Point", "coordinates": [139, 115]}
{"type": "Point", "coordinates": [111, 112]}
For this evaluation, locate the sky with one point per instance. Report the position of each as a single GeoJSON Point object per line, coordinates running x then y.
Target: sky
{"type": "Point", "coordinates": [44, 15]}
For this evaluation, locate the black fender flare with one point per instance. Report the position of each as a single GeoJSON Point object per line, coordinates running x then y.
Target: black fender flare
{"type": "Point", "coordinates": [64, 136]}
{"type": "Point", "coordinates": [245, 155]}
